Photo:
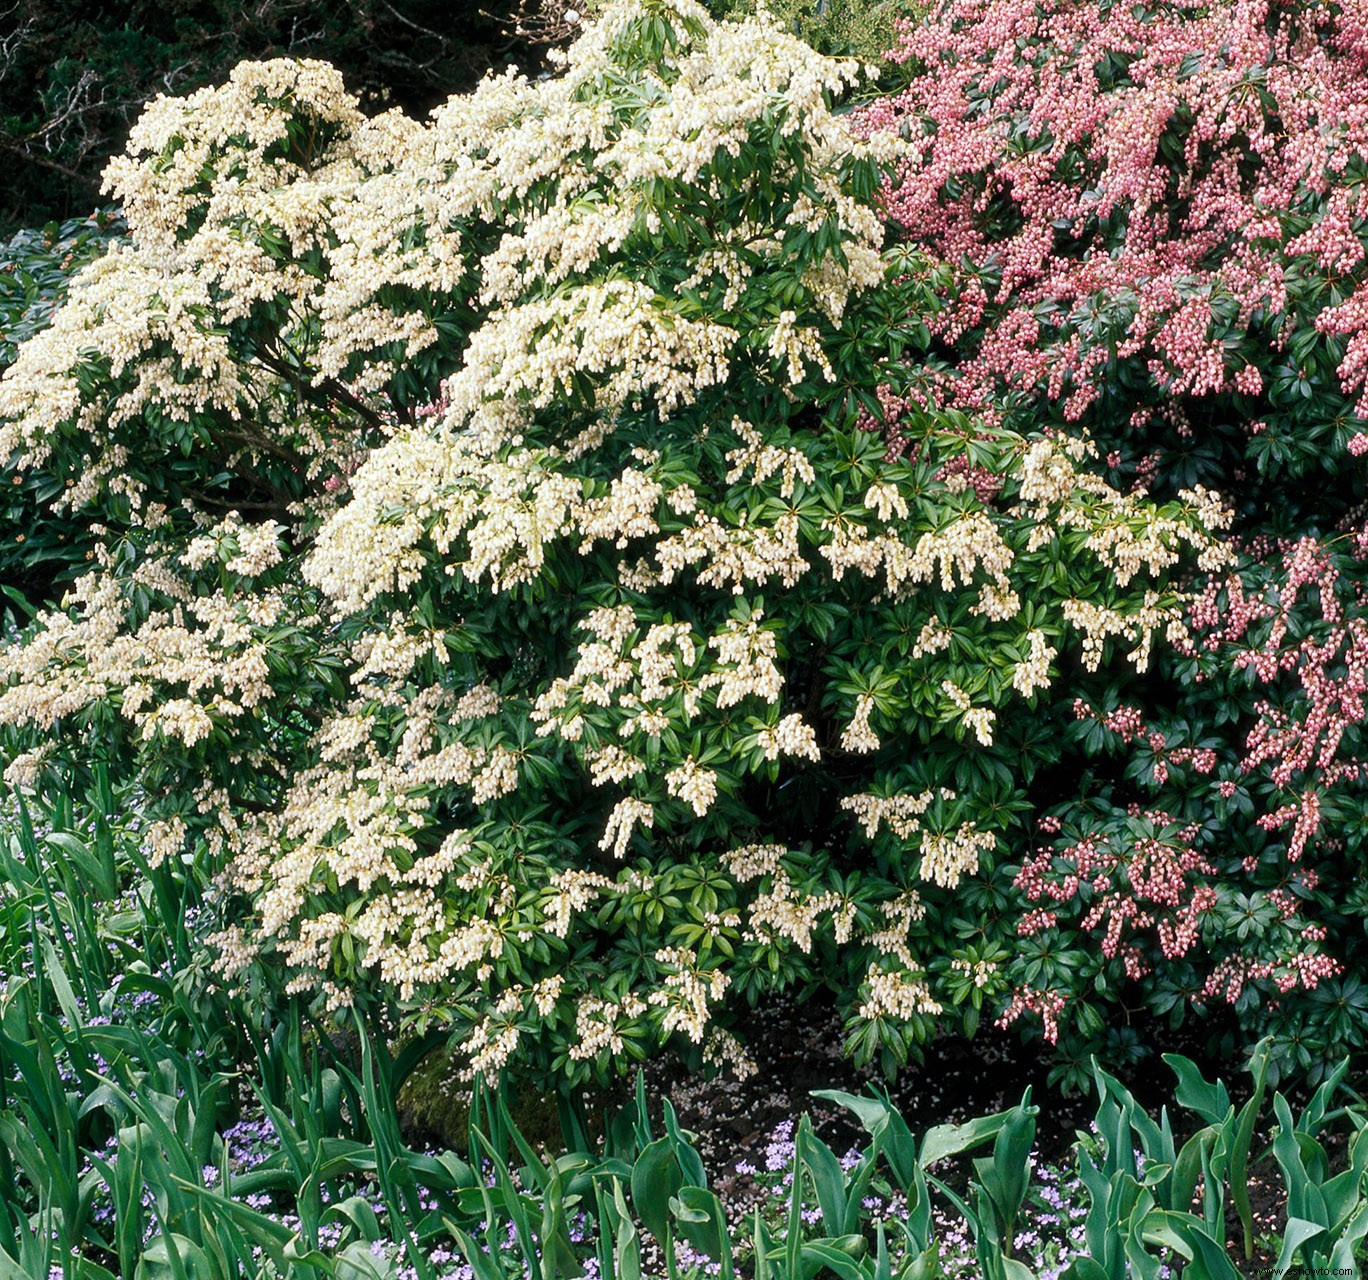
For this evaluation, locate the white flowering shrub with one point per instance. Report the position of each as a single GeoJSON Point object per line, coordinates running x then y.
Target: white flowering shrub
{"type": "Point", "coordinates": [497, 568]}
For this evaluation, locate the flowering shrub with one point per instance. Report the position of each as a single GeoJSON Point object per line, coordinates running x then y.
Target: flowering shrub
{"type": "Point", "coordinates": [498, 571]}
{"type": "Point", "coordinates": [1153, 217]}
{"type": "Point", "coordinates": [1155, 207]}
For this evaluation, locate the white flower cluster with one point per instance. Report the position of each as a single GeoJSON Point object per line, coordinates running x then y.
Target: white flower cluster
{"type": "Point", "coordinates": [258, 549]}
{"type": "Point", "coordinates": [745, 663]}
{"type": "Point", "coordinates": [979, 719]}
{"type": "Point", "coordinates": [792, 736]}
{"type": "Point", "coordinates": [753, 861]}
{"type": "Point", "coordinates": [627, 813]}
{"type": "Point", "coordinates": [494, 1039]}
{"type": "Point", "coordinates": [21, 770]}
{"type": "Point", "coordinates": [235, 952]}
{"type": "Point", "coordinates": [164, 838]}
{"type": "Point", "coordinates": [598, 1024]}
{"type": "Point", "coordinates": [980, 971]}
{"type": "Point", "coordinates": [1099, 623]}
{"type": "Point", "coordinates": [733, 556]}
{"type": "Point", "coordinates": [934, 637]}
{"type": "Point", "coordinates": [899, 915]}
{"type": "Point", "coordinates": [1124, 532]}
{"type": "Point", "coordinates": [1033, 672]}
{"type": "Point", "coordinates": [900, 813]}
{"type": "Point", "coordinates": [146, 330]}
{"type": "Point", "coordinates": [573, 891]}
{"type": "Point", "coordinates": [947, 857]}
{"type": "Point", "coordinates": [782, 912]}
{"type": "Point", "coordinates": [688, 992]}
{"type": "Point", "coordinates": [725, 1052]}
{"type": "Point", "coordinates": [858, 736]}
{"type": "Point", "coordinates": [949, 556]}
{"type": "Point", "coordinates": [695, 785]}
{"type": "Point", "coordinates": [177, 673]}
{"type": "Point", "coordinates": [894, 993]}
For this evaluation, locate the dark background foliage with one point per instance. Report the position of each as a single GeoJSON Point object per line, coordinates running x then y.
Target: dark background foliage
{"type": "Point", "coordinates": [74, 74]}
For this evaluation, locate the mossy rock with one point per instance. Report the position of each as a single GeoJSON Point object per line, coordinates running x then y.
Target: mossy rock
{"type": "Point", "coordinates": [862, 28]}
{"type": "Point", "coordinates": [434, 1108]}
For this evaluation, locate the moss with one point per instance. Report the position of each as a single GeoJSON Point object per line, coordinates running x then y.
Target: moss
{"type": "Point", "coordinates": [864, 28]}
{"type": "Point", "coordinates": [434, 1108]}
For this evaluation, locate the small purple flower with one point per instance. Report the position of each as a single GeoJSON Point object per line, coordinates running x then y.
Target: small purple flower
{"type": "Point", "coordinates": [779, 1151]}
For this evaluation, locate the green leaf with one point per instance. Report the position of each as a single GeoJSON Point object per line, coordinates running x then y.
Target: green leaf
{"type": "Point", "coordinates": [950, 1139]}
{"type": "Point", "coordinates": [482, 1264]}
{"type": "Point", "coordinates": [1191, 1166]}
{"type": "Point", "coordinates": [690, 1164]}
{"type": "Point", "coordinates": [1297, 1232]}
{"type": "Point", "coordinates": [833, 1260]}
{"type": "Point", "coordinates": [170, 1256]}
{"type": "Point", "coordinates": [1244, 1138]}
{"type": "Point", "coordinates": [656, 1180]}
{"type": "Point", "coordinates": [1209, 1101]}
{"type": "Point", "coordinates": [1343, 1255]}
{"type": "Point", "coordinates": [626, 1247]}
{"type": "Point", "coordinates": [1081, 1268]}
{"type": "Point", "coordinates": [703, 1223]}
{"type": "Point", "coordinates": [828, 1178]}
{"type": "Point", "coordinates": [1209, 1259]}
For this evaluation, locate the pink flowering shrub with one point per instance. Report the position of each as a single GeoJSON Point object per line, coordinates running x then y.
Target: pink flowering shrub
{"type": "Point", "coordinates": [1151, 219]}
{"type": "Point", "coordinates": [1152, 213]}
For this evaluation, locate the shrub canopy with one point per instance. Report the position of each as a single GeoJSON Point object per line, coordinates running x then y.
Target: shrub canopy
{"type": "Point", "coordinates": [533, 556]}
{"type": "Point", "coordinates": [75, 76]}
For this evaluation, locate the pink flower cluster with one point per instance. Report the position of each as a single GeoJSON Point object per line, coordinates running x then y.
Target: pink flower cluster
{"type": "Point", "coordinates": [1046, 1005]}
{"type": "Point", "coordinates": [1147, 884]}
{"type": "Point", "coordinates": [1129, 724]}
{"type": "Point", "coordinates": [1298, 740]}
{"type": "Point", "coordinates": [1306, 970]}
